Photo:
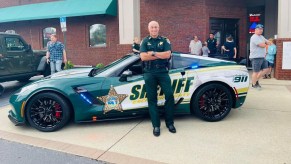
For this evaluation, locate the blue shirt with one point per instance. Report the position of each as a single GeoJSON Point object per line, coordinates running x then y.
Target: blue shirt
{"type": "Point", "coordinates": [271, 53]}
{"type": "Point", "coordinates": [56, 50]}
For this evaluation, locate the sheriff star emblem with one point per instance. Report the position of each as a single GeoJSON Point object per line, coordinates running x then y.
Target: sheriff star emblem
{"type": "Point", "coordinates": [112, 100]}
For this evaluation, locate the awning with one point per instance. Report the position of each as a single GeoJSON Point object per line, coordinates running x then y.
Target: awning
{"type": "Point", "coordinates": [56, 9]}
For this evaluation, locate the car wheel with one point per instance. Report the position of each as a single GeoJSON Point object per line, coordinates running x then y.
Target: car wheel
{"type": "Point", "coordinates": [47, 71]}
{"type": "Point", "coordinates": [1, 89]}
{"type": "Point", "coordinates": [212, 102]}
{"type": "Point", "coordinates": [24, 79]}
{"type": "Point", "coordinates": [47, 112]}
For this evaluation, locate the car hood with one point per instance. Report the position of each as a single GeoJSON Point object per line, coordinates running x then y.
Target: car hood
{"type": "Point", "coordinates": [71, 73]}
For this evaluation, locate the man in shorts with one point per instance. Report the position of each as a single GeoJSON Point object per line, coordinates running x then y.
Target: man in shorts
{"type": "Point", "coordinates": [258, 45]}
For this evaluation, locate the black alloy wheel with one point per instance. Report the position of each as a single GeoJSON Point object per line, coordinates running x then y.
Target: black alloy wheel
{"type": "Point", "coordinates": [47, 112]}
{"type": "Point", "coordinates": [212, 102]}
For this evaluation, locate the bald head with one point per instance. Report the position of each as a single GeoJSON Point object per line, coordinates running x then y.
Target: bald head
{"type": "Point", "coordinates": [154, 29]}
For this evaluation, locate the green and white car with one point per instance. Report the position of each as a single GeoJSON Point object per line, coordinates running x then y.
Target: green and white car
{"type": "Point", "coordinates": [206, 87]}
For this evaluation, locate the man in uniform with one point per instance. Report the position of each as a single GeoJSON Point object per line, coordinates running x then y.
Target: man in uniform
{"type": "Point", "coordinates": [155, 52]}
{"type": "Point", "coordinates": [212, 44]}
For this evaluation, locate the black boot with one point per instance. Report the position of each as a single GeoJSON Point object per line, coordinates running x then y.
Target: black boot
{"type": "Point", "coordinates": [156, 131]}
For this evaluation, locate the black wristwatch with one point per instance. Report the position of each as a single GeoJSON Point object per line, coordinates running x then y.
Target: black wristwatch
{"type": "Point", "coordinates": [154, 53]}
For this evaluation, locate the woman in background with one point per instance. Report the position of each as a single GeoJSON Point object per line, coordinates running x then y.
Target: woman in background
{"type": "Point", "coordinates": [135, 45]}
{"type": "Point", "coordinates": [229, 48]}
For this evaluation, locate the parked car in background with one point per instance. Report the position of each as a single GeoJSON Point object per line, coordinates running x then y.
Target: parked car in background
{"type": "Point", "coordinates": [18, 61]}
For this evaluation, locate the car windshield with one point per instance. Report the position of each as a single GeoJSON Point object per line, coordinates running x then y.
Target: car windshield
{"type": "Point", "coordinates": [185, 60]}
{"type": "Point", "coordinates": [114, 68]}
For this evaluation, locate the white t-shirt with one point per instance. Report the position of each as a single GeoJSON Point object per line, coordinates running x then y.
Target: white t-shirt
{"type": "Point", "coordinates": [195, 47]}
{"type": "Point", "coordinates": [255, 50]}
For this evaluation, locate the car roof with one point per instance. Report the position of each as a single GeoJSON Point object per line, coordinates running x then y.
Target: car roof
{"type": "Point", "coordinates": [4, 33]}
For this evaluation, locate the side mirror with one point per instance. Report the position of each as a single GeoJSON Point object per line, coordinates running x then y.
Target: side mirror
{"type": "Point", "coordinates": [93, 72]}
{"type": "Point", "coordinates": [28, 47]}
{"type": "Point", "coordinates": [124, 75]}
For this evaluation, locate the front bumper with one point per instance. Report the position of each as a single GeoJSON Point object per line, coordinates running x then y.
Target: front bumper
{"type": "Point", "coordinates": [13, 119]}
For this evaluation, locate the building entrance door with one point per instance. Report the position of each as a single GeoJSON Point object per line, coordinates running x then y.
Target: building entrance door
{"type": "Point", "coordinates": [221, 28]}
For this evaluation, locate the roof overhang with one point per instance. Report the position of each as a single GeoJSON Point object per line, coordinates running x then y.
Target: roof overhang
{"type": "Point", "coordinates": [57, 9]}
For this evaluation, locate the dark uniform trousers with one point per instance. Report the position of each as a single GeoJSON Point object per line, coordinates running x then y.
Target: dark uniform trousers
{"type": "Point", "coordinates": [152, 80]}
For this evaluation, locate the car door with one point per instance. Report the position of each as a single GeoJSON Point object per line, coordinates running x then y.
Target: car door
{"type": "Point", "coordinates": [2, 63]}
{"type": "Point", "coordinates": [133, 89]}
{"type": "Point", "coordinates": [18, 56]}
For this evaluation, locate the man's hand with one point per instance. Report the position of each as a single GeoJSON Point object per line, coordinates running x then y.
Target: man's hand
{"type": "Point", "coordinates": [47, 60]}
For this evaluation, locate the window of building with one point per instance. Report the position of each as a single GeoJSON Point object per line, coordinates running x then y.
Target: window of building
{"type": "Point", "coordinates": [47, 33]}
{"type": "Point", "coordinates": [14, 44]}
{"type": "Point", "coordinates": [98, 35]}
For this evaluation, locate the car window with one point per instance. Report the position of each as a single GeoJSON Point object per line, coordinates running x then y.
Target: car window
{"type": "Point", "coordinates": [14, 44]}
{"type": "Point", "coordinates": [135, 68]}
{"type": "Point", "coordinates": [184, 61]}
{"type": "Point", "coordinates": [114, 69]}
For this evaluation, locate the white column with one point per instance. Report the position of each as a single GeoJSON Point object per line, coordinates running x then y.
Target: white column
{"type": "Point", "coordinates": [284, 19]}
{"type": "Point", "coordinates": [129, 20]}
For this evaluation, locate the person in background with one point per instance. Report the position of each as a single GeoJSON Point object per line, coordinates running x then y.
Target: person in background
{"type": "Point", "coordinates": [229, 48]}
{"type": "Point", "coordinates": [258, 45]}
{"type": "Point", "coordinates": [195, 46]}
{"type": "Point", "coordinates": [55, 54]}
{"type": "Point", "coordinates": [135, 45]}
{"type": "Point", "coordinates": [212, 44]}
{"type": "Point", "coordinates": [205, 50]}
{"type": "Point", "coordinates": [270, 57]}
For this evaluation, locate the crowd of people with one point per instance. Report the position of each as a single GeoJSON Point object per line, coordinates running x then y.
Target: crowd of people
{"type": "Point", "coordinates": [229, 51]}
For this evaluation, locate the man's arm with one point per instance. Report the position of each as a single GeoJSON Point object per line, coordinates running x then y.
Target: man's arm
{"type": "Point", "coordinates": [147, 56]}
{"type": "Point", "coordinates": [47, 56]}
{"type": "Point", "coordinates": [65, 55]}
{"type": "Point", "coordinates": [262, 45]}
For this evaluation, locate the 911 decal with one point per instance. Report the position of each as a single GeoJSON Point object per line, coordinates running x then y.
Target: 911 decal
{"type": "Point", "coordinates": [240, 78]}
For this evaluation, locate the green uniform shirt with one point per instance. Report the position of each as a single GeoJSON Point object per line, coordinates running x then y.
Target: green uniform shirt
{"type": "Point", "coordinates": [159, 44]}
{"type": "Point", "coordinates": [211, 44]}
{"type": "Point", "coordinates": [135, 46]}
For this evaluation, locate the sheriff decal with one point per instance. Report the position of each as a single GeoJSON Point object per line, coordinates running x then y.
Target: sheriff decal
{"type": "Point", "coordinates": [112, 100]}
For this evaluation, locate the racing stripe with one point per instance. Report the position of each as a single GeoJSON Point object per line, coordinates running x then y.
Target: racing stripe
{"type": "Point", "coordinates": [219, 68]}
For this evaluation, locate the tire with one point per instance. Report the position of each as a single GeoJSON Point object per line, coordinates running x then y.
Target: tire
{"type": "Point", "coordinates": [47, 71]}
{"type": "Point", "coordinates": [1, 89]}
{"type": "Point", "coordinates": [24, 79]}
{"type": "Point", "coordinates": [212, 102]}
{"type": "Point", "coordinates": [47, 112]}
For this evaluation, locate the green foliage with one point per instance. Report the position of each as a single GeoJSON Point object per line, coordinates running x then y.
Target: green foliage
{"type": "Point", "coordinates": [69, 65]}
{"type": "Point", "coordinates": [100, 65]}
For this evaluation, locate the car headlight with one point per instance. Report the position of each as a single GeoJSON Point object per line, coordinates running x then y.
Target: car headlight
{"type": "Point", "coordinates": [27, 88]}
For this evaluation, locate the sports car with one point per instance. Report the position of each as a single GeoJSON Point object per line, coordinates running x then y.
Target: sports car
{"type": "Point", "coordinates": [206, 87]}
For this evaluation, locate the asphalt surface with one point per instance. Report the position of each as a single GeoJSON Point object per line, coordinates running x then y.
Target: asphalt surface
{"type": "Point", "coordinates": [12, 153]}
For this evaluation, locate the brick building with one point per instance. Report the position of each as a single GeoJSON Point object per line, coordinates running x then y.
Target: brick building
{"type": "Point", "coordinates": [179, 21]}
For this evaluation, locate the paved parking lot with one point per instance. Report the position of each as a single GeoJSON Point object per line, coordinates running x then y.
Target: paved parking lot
{"type": "Point", "coordinates": [258, 132]}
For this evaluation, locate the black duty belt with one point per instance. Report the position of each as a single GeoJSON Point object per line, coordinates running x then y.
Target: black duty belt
{"type": "Point", "coordinates": [151, 65]}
